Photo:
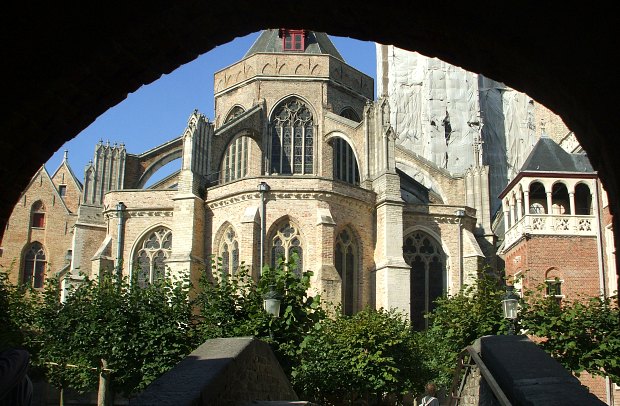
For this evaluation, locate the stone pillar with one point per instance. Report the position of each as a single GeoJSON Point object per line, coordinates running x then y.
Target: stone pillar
{"type": "Point", "coordinates": [549, 203]}
{"type": "Point", "coordinates": [188, 236]}
{"type": "Point", "coordinates": [248, 242]}
{"type": "Point", "coordinates": [392, 278]}
{"type": "Point", "coordinates": [326, 280]}
{"type": "Point", "coordinates": [526, 198]}
{"type": "Point", "coordinates": [571, 198]}
{"type": "Point", "coordinates": [519, 208]}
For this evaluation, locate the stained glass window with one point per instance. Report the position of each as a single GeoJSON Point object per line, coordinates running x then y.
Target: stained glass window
{"type": "Point", "coordinates": [346, 258]}
{"type": "Point", "coordinates": [285, 244]}
{"type": "Point", "coordinates": [344, 162]}
{"type": "Point", "coordinates": [34, 266]}
{"type": "Point", "coordinates": [229, 252]}
{"type": "Point", "coordinates": [150, 259]}
{"type": "Point", "coordinates": [427, 261]}
{"type": "Point", "coordinates": [235, 162]}
{"type": "Point", "coordinates": [292, 139]}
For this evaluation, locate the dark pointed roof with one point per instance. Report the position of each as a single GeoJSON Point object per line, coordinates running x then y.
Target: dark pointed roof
{"type": "Point", "coordinates": [316, 43]}
{"type": "Point", "coordinates": [547, 156]}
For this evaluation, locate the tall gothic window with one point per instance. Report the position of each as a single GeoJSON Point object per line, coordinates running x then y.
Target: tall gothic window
{"type": "Point", "coordinates": [34, 266]}
{"type": "Point", "coordinates": [229, 252]}
{"type": "Point", "coordinates": [346, 257]}
{"type": "Point", "coordinates": [292, 139]}
{"type": "Point", "coordinates": [427, 262]}
{"type": "Point", "coordinates": [38, 215]}
{"type": "Point", "coordinates": [150, 259]}
{"type": "Point", "coordinates": [345, 164]}
{"type": "Point", "coordinates": [284, 243]}
{"type": "Point", "coordinates": [235, 162]}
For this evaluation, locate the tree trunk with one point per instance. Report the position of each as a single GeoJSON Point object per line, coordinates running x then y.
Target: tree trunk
{"type": "Point", "coordinates": [104, 383]}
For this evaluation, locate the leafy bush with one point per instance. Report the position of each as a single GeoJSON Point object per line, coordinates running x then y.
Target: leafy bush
{"type": "Point", "coordinates": [583, 334]}
{"type": "Point", "coordinates": [232, 306]}
{"type": "Point", "coordinates": [458, 321]}
{"type": "Point", "coordinates": [369, 356]}
{"type": "Point", "coordinates": [140, 332]}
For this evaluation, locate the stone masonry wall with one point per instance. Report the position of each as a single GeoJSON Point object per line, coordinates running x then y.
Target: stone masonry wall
{"type": "Point", "coordinates": [55, 236]}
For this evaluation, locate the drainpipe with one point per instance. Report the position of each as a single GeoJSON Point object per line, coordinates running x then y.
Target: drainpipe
{"type": "Point", "coordinates": [120, 212]}
{"type": "Point", "coordinates": [262, 188]}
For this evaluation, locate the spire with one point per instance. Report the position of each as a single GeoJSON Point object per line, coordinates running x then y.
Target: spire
{"type": "Point", "coordinates": [66, 155]}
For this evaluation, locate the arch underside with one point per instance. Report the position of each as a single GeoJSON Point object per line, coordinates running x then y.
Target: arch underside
{"type": "Point", "coordinates": [146, 42]}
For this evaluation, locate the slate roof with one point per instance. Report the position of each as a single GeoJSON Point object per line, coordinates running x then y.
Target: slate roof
{"type": "Point", "coordinates": [316, 43]}
{"type": "Point", "coordinates": [547, 156]}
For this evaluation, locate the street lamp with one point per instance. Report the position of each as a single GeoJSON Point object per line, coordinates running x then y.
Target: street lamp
{"type": "Point", "coordinates": [271, 303]}
{"type": "Point", "coordinates": [263, 188]}
{"type": "Point", "coordinates": [510, 305]}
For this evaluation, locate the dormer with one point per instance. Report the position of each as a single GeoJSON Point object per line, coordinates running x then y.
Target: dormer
{"type": "Point", "coordinates": [293, 40]}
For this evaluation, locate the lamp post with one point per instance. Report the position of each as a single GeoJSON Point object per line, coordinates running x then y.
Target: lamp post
{"type": "Point", "coordinates": [510, 305]}
{"type": "Point", "coordinates": [263, 188]}
{"type": "Point", "coordinates": [460, 214]}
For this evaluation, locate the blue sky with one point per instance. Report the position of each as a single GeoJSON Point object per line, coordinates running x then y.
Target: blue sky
{"type": "Point", "coordinates": [158, 112]}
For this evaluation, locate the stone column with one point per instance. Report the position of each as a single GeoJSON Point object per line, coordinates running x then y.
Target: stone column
{"type": "Point", "coordinates": [549, 203]}
{"type": "Point", "coordinates": [571, 199]}
{"type": "Point", "coordinates": [392, 278]}
{"type": "Point", "coordinates": [326, 280]}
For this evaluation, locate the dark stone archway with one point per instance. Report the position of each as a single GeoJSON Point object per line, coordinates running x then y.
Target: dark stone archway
{"type": "Point", "coordinates": [66, 66]}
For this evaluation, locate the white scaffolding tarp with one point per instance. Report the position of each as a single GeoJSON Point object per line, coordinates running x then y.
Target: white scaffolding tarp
{"type": "Point", "coordinates": [447, 114]}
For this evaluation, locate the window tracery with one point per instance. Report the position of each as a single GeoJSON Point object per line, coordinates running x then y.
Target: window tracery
{"type": "Point", "coordinates": [427, 262]}
{"type": "Point", "coordinates": [151, 258]}
{"type": "Point", "coordinates": [346, 259]}
{"type": "Point", "coordinates": [33, 273]}
{"type": "Point", "coordinates": [284, 244]}
{"type": "Point", "coordinates": [229, 252]}
{"type": "Point", "coordinates": [234, 113]}
{"type": "Point", "coordinates": [292, 139]}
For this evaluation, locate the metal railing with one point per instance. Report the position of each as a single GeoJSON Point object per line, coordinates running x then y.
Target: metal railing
{"type": "Point", "coordinates": [467, 360]}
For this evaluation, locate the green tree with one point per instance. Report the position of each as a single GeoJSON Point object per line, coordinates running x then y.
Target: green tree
{"type": "Point", "coordinates": [371, 356]}
{"type": "Point", "coordinates": [18, 311]}
{"type": "Point", "coordinates": [458, 321]}
{"type": "Point", "coordinates": [582, 334]}
{"type": "Point", "coordinates": [138, 333]}
{"type": "Point", "coordinates": [232, 306]}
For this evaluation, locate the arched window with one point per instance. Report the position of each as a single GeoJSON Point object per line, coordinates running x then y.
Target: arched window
{"type": "Point", "coordinates": [229, 252]}
{"type": "Point", "coordinates": [345, 164]}
{"type": "Point", "coordinates": [235, 162]}
{"type": "Point", "coordinates": [583, 200]}
{"type": "Point", "coordinates": [38, 215]}
{"type": "Point", "coordinates": [35, 263]}
{"type": "Point", "coordinates": [234, 113]}
{"type": "Point", "coordinates": [538, 199]}
{"type": "Point", "coordinates": [559, 198]}
{"type": "Point", "coordinates": [284, 243]}
{"type": "Point", "coordinates": [292, 139]}
{"type": "Point", "coordinates": [349, 113]}
{"type": "Point", "coordinates": [346, 258]}
{"type": "Point", "coordinates": [150, 258]}
{"type": "Point", "coordinates": [427, 262]}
